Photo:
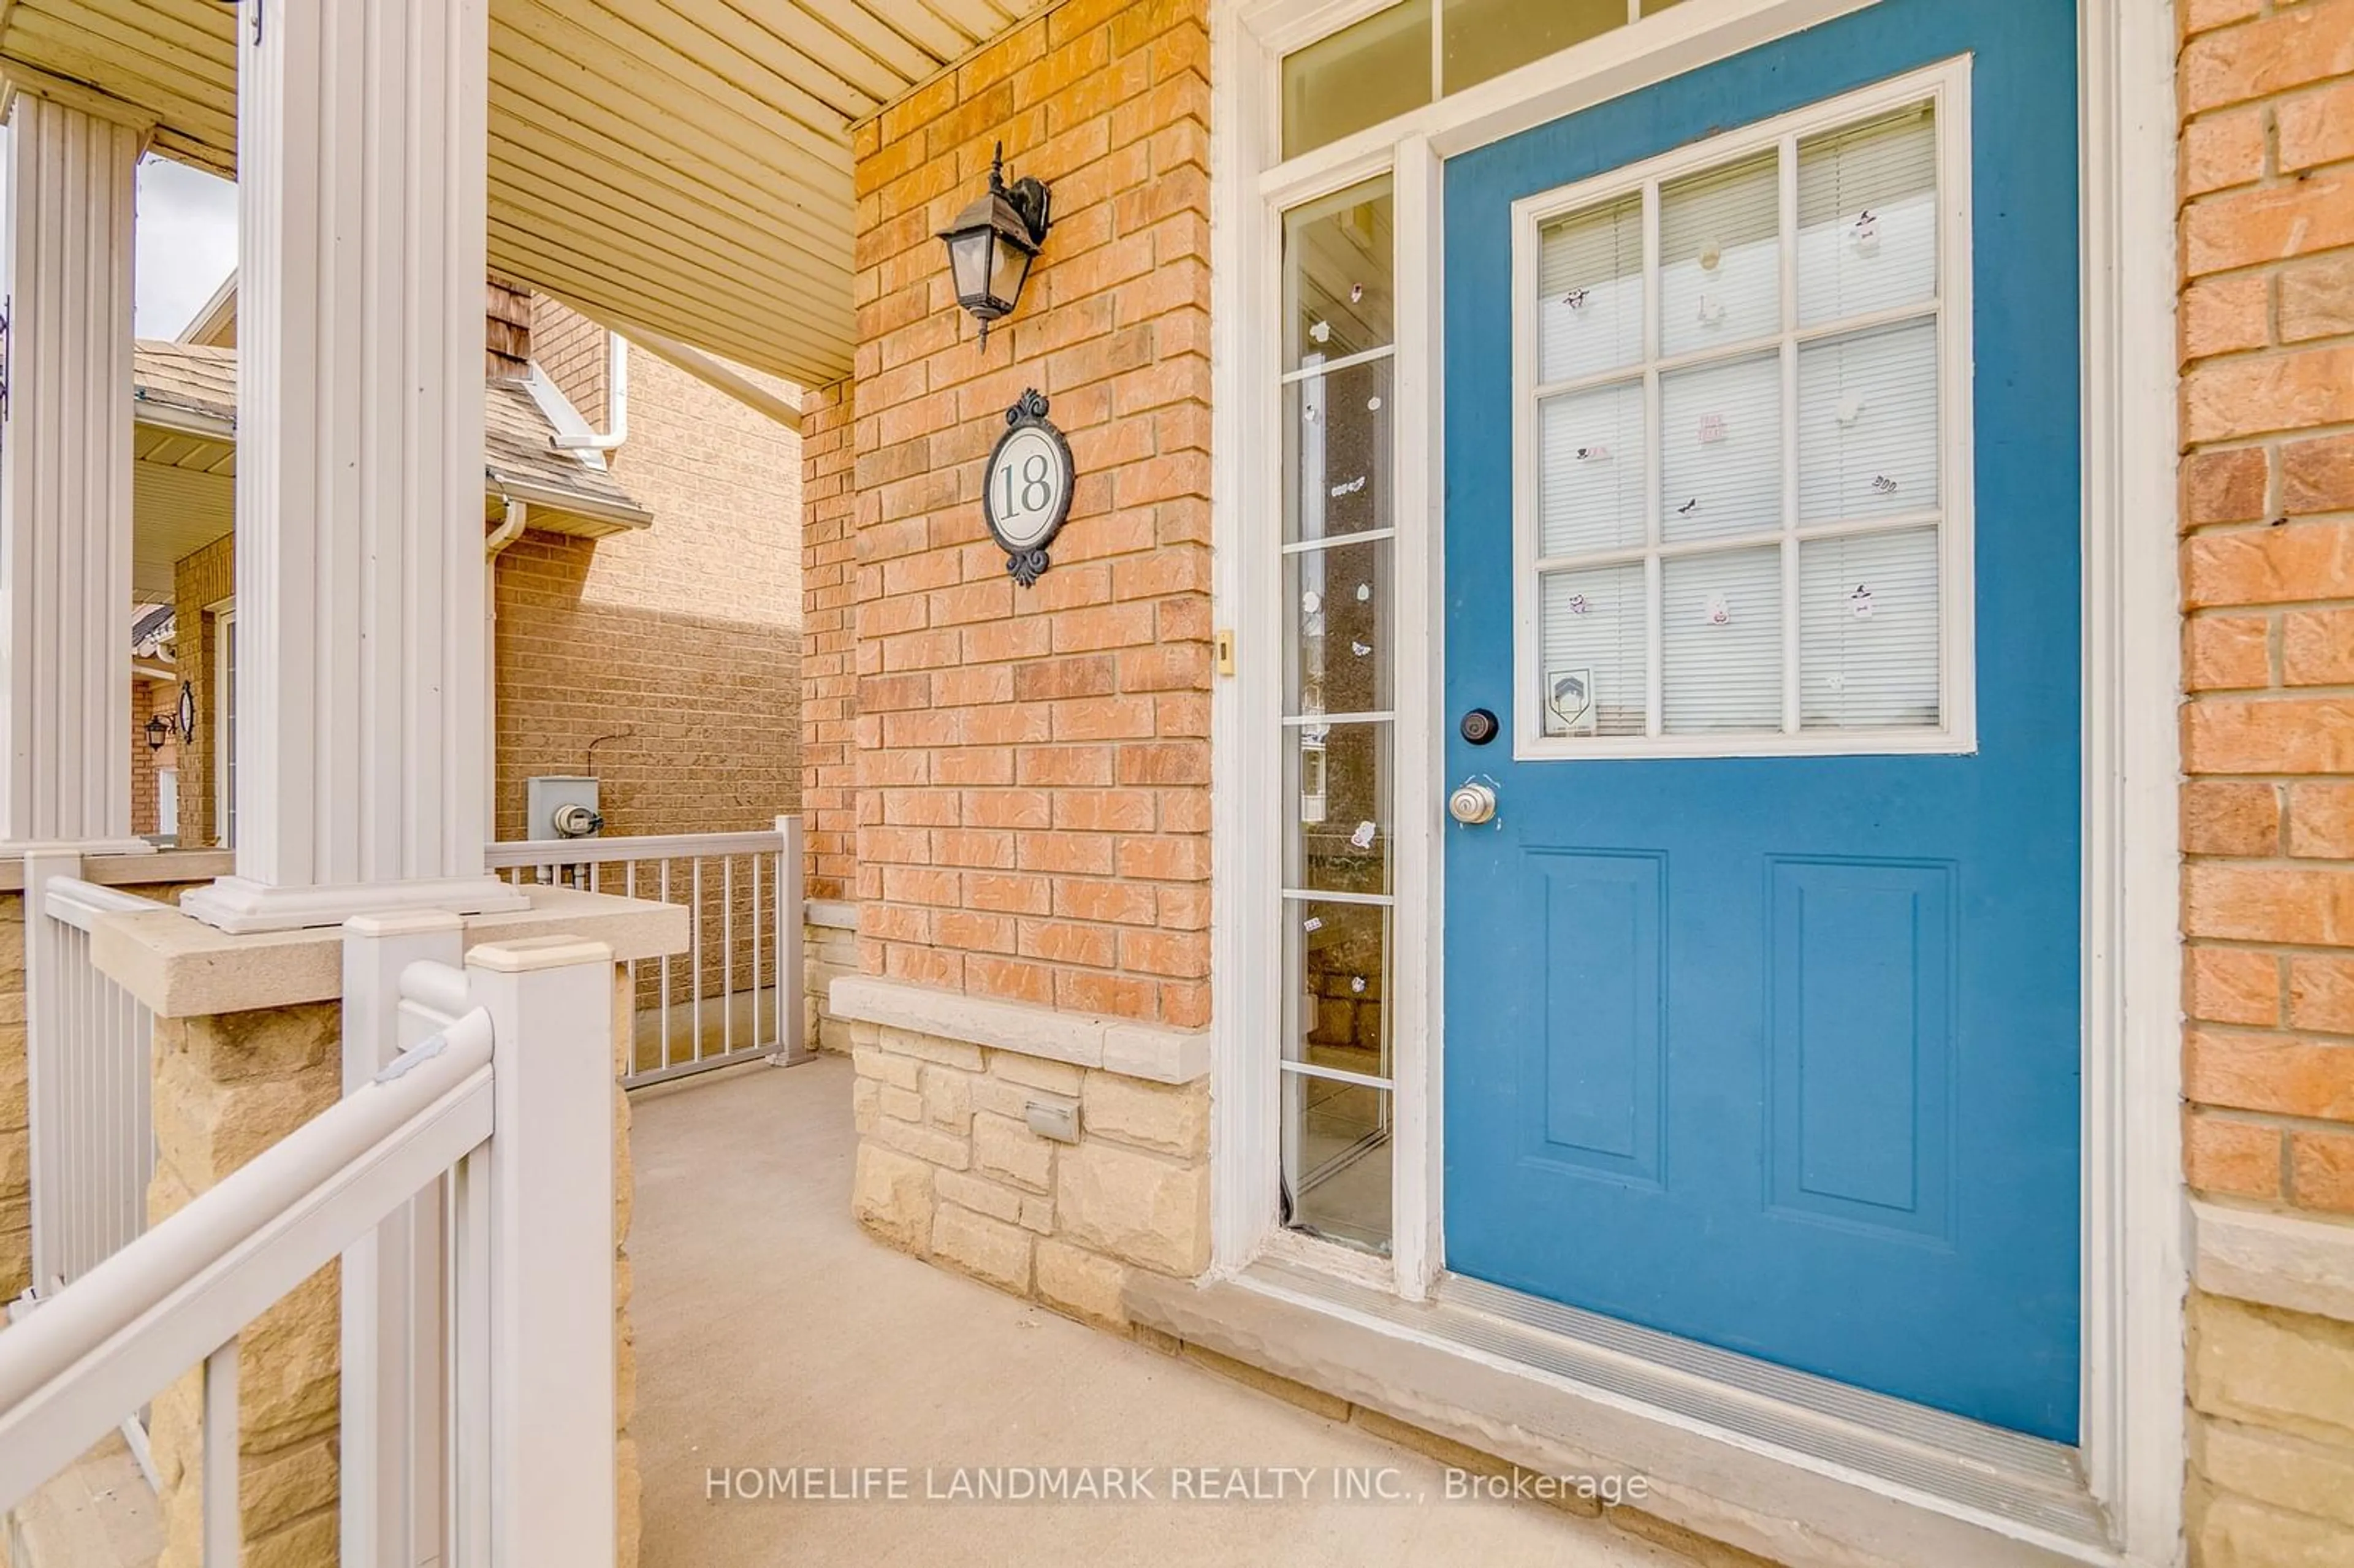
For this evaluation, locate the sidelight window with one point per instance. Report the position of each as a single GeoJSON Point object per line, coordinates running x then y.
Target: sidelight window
{"type": "Point", "coordinates": [1339, 717]}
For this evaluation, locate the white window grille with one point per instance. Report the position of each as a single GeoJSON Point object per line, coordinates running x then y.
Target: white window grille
{"type": "Point", "coordinates": [1742, 420]}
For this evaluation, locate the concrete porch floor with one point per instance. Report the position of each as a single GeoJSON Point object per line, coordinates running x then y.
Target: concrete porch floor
{"type": "Point", "coordinates": [773, 1334]}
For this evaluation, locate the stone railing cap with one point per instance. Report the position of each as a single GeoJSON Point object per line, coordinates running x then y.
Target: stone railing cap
{"type": "Point", "coordinates": [182, 968]}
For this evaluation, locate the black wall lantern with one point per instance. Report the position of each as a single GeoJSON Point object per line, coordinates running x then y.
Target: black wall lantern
{"type": "Point", "coordinates": [159, 730]}
{"type": "Point", "coordinates": [993, 242]}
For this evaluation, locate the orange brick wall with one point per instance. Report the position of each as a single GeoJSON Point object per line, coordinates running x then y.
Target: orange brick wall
{"type": "Point", "coordinates": [148, 700]}
{"type": "Point", "coordinates": [2266, 322]}
{"type": "Point", "coordinates": [205, 577]}
{"type": "Point", "coordinates": [2267, 346]}
{"type": "Point", "coordinates": [1032, 766]}
{"type": "Point", "coordinates": [829, 643]}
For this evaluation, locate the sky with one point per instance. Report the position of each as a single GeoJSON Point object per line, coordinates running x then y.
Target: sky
{"type": "Point", "coordinates": [187, 243]}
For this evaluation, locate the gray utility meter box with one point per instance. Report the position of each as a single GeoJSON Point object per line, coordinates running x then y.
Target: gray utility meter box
{"type": "Point", "coordinates": [560, 805]}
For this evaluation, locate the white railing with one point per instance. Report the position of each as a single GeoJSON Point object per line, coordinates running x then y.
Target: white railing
{"type": "Point", "coordinates": [500, 1125]}
{"type": "Point", "coordinates": [735, 994]}
{"type": "Point", "coordinates": [87, 1070]}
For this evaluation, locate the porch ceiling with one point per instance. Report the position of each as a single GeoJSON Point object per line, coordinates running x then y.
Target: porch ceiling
{"type": "Point", "coordinates": [679, 165]}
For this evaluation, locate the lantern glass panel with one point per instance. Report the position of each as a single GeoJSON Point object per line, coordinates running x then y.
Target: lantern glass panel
{"type": "Point", "coordinates": [1007, 274]}
{"type": "Point", "coordinates": [969, 255]}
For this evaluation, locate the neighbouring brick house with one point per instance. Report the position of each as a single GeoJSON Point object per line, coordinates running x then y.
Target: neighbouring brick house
{"type": "Point", "coordinates": [649, 610]}
{"type": "Point", "coordinates": [1037, 796]}
{"type": "Point", "coordinates": [697, 622]}
{"type": "Point", "coordinates": [661, 622]}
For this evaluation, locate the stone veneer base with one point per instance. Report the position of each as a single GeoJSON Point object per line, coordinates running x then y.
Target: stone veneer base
{"type": "Point", "coordinates": [949, 1171]}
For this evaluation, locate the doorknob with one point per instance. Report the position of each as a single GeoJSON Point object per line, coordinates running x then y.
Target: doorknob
{"type": "Point", "coordinates": [1473, 802]}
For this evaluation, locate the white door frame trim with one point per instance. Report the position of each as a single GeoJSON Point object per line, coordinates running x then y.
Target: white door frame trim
{"type": "Point", "coordinates": [2134, 1254]}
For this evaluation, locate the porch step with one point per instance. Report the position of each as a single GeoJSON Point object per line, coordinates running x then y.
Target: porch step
{"type": "Point", "coordinates": [100, 1512]}
{"type": "Point", "coordinates": [1780, 1464]}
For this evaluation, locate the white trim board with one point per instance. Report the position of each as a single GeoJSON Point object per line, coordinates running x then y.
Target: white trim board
{"type": "Point", "coordinates": [2132, 1447]}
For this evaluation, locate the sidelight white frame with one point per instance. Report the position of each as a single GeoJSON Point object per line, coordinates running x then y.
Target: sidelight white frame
{"type": "Point", "coordinates": [2134, 1273]}
{"type": "Point", "coordinates": [1946, 87]}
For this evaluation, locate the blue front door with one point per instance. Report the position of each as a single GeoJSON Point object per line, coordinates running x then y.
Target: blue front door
{"type": "Point", "coordinates": [1762, 1021]}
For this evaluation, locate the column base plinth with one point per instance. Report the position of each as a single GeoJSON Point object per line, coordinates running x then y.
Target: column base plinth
{"type": "Point", "coordinates": [243, 907]}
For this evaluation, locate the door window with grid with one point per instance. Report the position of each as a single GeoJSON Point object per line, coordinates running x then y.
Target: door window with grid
{"type": "Point", "coordinates": [1743, 490]}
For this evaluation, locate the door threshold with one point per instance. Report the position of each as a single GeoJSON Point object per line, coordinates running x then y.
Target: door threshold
{"type": "Point", "coordinates": [1795, 1467]}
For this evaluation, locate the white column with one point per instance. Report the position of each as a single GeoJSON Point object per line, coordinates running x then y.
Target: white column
{"type": "Point", "coordinates": [362, 156]}
{"type": "Point", "coordinates": [65, 481]}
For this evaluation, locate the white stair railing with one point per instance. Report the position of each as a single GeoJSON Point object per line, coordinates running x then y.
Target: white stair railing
{"type": "Point", "coordinates": [89, 1070]}
{"type": "Point", "coordinates": [736, 993]}
{"type": "Point", "coordinates": [506, 1109]}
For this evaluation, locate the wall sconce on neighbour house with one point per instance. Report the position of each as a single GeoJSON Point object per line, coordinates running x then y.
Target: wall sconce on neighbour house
{"type": "Point", "coordinates": [159, 730]}
{"type": "Point", "coordinates": [992, 243]}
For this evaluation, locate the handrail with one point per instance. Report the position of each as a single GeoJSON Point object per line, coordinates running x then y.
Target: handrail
{"type": "Point", "coordinates": [120, 1334]}
{"type": "Point", "coordinates": [735, 993]}
{"type": "Point", "coordinates": [78, 903]}
{"type": "Point", "coordinates": [609, 849]}
{"type": "Point", "coordinates": [436, 988]}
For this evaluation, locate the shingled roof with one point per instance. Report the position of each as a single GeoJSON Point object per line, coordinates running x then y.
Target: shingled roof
{"type": "Point", "coordinates": [185, 376]}
{"type": "Point", "coordinates": [521, 460]}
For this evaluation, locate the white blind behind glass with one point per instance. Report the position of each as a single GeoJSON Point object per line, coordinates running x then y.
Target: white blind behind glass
{"type": "Point", "coordinates": [1867, 642]}
{"type": "Point", "coordinates": [1720, 641]}
{"type": "Point", "coordinates": [1868, 424]}
{"type": "Point", "coordinates": [1590, 291]}
{"type": "Point", "coordinates": [1590, 471]}
{"type": "Point", "coordinates": [1867, 218]}
{"type": "Point", "coordinates": [1721, 449]}
{"type": "Point", "coordinates": [1721, 257]}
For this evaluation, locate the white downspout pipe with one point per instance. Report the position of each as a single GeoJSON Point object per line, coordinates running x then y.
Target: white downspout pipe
{"type": "Point", "coordinates": [517, 519]}
{"type": "Point", "coordinates": [616, 402]}
{"type": "Point", "coordinates": [509, 530]}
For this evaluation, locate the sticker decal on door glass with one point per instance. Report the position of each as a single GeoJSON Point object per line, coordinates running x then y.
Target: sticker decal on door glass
{"type": "Point", "coordinates": [1569, 698]}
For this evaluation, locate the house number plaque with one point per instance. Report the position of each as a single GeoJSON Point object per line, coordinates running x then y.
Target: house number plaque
{"type": "Point", "coordinates": [1028, 493]}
